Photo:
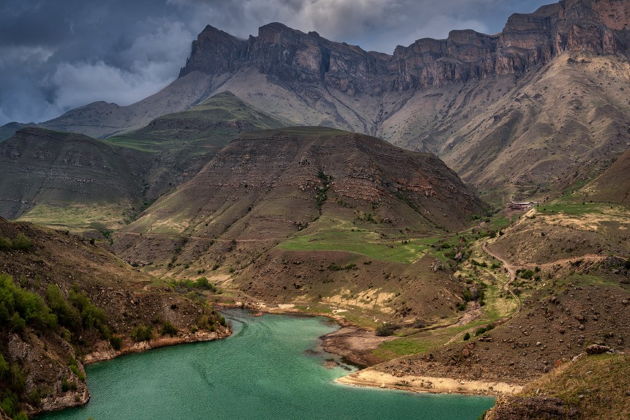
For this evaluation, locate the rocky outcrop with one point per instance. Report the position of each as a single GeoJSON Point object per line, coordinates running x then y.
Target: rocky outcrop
{"type": "Point", "coordinates": [528, 40]}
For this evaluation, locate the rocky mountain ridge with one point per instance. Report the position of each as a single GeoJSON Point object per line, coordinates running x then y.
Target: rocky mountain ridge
{"type": "Point", "coordinates": [527, 41]}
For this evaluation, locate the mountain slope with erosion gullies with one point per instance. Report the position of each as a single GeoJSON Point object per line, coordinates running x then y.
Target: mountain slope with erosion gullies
{"type": "Point", "coordinates": [317, 194]}
{"type": "Point", "coordinates": [613, 185]}
{"type": "Point", "coordinates": [81, 183]}
{"type": "Point", "coordinates": [181, 143]}
{"type": "Point", "coordinates": [68, 180]}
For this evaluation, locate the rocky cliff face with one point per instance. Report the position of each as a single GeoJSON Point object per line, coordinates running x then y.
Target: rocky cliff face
{"type": "Point", "coordinates": [528, 40]}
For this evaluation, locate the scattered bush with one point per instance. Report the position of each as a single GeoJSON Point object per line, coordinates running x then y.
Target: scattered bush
{"type": "Point", "coordinates": [466, 336]}
{"type": "Point", "coordinates": [19, 307]}
{"type": "Point", "coordinates": [21, 242]}
{"type": "Point", "coordinates": [67, 314]}
{"type": "Point", "coordinates": [74, 368]}
{"type": "Point", "coordinates": [482, 330]}
{"type": "Point", "coordinates": [91, 315]}
{"type": "Point", "coordinates": [385, 330]}
{"type": "Point", "coordinates": [169, 329]}
{"type": "Point", "coordinates": [336, 267]}
{"type": "Point", "coordinates": [68, 385]}
{"type": "Point", "coordinates": [142, 333]}
{"type": "Point", "coordinates": [116, 342]}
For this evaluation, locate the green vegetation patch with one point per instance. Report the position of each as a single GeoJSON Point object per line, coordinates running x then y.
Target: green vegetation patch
{"type": "Point", "coordinates": [338, 235]}
{"type": "Point", "coordinates": [78, 217]}
{"type": "Point", "coordinates": [360, 242]}
{"type": "Point", "coordinates": [572, 208]}
{"type": "Point", "coordinates": [20, 242]}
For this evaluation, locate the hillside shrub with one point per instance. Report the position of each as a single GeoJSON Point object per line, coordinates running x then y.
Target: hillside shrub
{"type": "Point", "coordinates": [337, 267]}
{"type": "Point", "coordinates": [91, 315]}
{"type": "Point", "coordinates": [116, 342]}
{"type": "Point", "coordinates": [466, 336]}
{"type": "Point", "coordinates": [169, 329]}
{"type": "Point", "coordinates": [142, 333]}
{"type": "Point", "coordinates": [12, 382]}
{"type": "Point", "coordinates": [20, 242]}
{"type": "Point", "coordinates": [19, 307]}
{"type": "Point", "coordinates": [67, 314]}
{"type": "Point", "coordinates": [386, 329]}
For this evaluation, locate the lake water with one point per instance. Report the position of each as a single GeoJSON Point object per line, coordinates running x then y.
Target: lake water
{"type": "Point", "coordinates": [266, 370]}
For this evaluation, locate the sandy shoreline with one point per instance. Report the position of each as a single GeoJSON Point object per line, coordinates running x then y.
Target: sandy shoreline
{"type": "Point", "coordinates": [370, 377]}
{"type": "Point", "coordinates": [376, 379]}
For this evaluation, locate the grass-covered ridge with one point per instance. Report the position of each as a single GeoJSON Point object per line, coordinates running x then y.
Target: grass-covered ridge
{"type": "Point", "coordinates": [332, 234]}
{"type": "Point", "coordinates": [212, 123]}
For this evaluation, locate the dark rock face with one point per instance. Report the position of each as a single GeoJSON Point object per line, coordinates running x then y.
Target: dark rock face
{"type": "Point", "coordinates": [528, 40]}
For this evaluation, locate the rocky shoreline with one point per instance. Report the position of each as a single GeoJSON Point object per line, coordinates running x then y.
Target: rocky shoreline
{"type": "Point", "coordinates": [104, 351]}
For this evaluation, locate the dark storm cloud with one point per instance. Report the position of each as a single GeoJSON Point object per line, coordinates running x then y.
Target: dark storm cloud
{"type": "Point", "coordinates": [56, 55]}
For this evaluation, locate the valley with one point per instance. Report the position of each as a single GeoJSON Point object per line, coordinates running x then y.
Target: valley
{"type": "Point", "coordinates": [451, 218]}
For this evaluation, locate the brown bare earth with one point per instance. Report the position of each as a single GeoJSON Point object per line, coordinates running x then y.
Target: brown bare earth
{"type": "Point", "coordinates": [556, 324]}
{"type": "Point", "coordinates": [354, 344]}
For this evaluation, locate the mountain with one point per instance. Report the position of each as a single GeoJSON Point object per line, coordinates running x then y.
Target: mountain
{"type": "Point", "coordinates": [179, 144]}
{"type": "Point", "coordinates": [613, 185]}
{"type": "Point", "coordinates": [335, 195]}
{"type": "Point", "coordinates": [71, 180]}
{"type": "Point", "coordinates": [68, 180]}
{"type": "Point", "coordinates": [65, 301]}
{"type": "Point", "coordinates": [481, 102]}
{"type": "Point", "coordinates": [8, 130]}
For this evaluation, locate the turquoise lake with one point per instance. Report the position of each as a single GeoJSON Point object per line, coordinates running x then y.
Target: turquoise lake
{"type": "Point", "coordinates": [265, 370]}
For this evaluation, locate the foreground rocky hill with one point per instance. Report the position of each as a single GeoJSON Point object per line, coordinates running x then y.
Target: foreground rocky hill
{"type": "Point", "coordinates": [481, 102]}
{"type": "Point", "coordinates": [584, 389]}
{"type": "Point", "coordinates": [65, 301]}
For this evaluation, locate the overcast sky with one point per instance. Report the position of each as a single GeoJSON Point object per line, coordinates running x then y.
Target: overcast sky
{"type": "Point", "coordinates": [59, 54]}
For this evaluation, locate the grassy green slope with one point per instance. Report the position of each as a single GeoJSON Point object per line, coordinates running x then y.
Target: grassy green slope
{"type": "Point", "coordinates": [211, 123]}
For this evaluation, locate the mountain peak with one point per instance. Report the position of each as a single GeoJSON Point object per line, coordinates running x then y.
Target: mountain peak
{"type": "Point", "coordinates": [527, 41]}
